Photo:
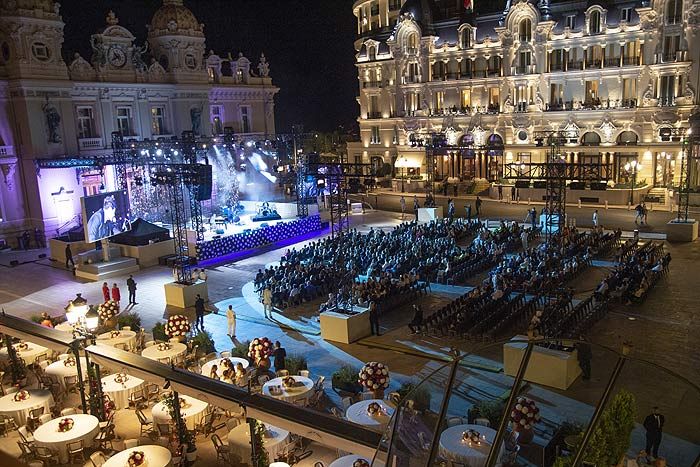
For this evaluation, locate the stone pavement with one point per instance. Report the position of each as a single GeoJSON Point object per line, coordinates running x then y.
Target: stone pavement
{"type": "Point", "coordinates": [663, 330]}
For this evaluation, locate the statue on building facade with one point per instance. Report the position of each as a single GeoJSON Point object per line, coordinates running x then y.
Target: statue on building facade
{"type": "Point", "coordinates": [99, 56]}
{"type": "Point", "coordinates": [648, 95]}
{"type": "Point", "coordinates": [263, 66]}
{"type": "Point", "coordinates": [689, 93]}
{"type": "Point", "coordinates": [137, 58]}
{"type": "Point", "coordinates": [539, 101]}
{"type": "Point", "coordinates": [196, 117]}
{"type": "Point", "coordinates": [53, 120]}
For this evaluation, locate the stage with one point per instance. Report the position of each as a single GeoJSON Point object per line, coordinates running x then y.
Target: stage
{"type": "Point", "coordinates": [223, 238]}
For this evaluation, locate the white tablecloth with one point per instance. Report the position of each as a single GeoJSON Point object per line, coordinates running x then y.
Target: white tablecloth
{"type": "Point", "coordinates": [120, 392]}
{"type": "Point", "coordinates": [59, 370]}
{"type": "Point", "coordinates": [206, 368]}
{"type": "Point", "coordinates": [19, 410]}
{"type": "Point", "coordinates": [193, 412]}
{"type": "Point", "coordinates": [86, 427]}
{"type": "Point", "coordinates": [176, 349]}
{"type": "Point", "coordinates": [156, 456]}
{"type": "Point", "coordinates": [357, 413]}
{"type": "Point", "coordinates": [290, 394]}
{"type": "Point", "coordinates": [124, 337]}
{"type": "Point", "coordinates": [346, 461]}
{"type": "Point", "coordinates": [453, 448]}
{"type": "Point", "coordinates": [28, 355]}
{"type": "Point", "coordinates": [65, 327]}
{"type": "Point", "coordinates": [239, 442]}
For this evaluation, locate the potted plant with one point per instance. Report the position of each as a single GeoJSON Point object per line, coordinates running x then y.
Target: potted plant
{"type": "Point", "coordinates": [416, 392]}
{"type": "Point", "coordinates": [344, 379]}
{"type": "Point", "coordinates": [611, 438]}
{"type": "Point", "coordinates": [184, 436]}
{"type": "Point", "coordinates": [491, 410]}
{"type": "Point", "coordinates": [158, 332]}
{"type": "Point", "coordinates": [203, 342]}
{"type": "Point", "coordinates": [259, 430]}
{"type": "Point", "coordinates": [129, 318]}
{"type": "Point", "coordinates": [523, 416]}
{"type": "Point", "coordinates": [295, 363]}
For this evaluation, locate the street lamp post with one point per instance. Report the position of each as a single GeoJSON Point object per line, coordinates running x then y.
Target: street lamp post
{"type": "Point", "coordinates": [84, 319]}
{"type": "Point", "coordinates": [633, 167]}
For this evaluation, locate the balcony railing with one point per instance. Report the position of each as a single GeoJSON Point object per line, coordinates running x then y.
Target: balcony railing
{"type": "Point", "coordinates": [373, 115]}
{"type": "Point", "coordinates": [372, 84]}
{"type": "Point", "coordinates": [7, 151]}
{"type": "Point", "coordinates": [556, 66]}
{"type": "Point", "coordinates": [524, 70]}
{"type": "Point", "coordinates": [630, 61]}
{"type": "Point", "coordinates": [574, 65]}
{"type": "Point", "coordinates": [666, 101]}
{"type": "Point", "coordinates": [452, 76]}
{"type": "Point", "coordinates": [411, 79]}
{"type": "Point", "coordinates": [491, 109]}
{"type": "Point", "coordinates": [520, 107]}
{"type": "Point", "coordinates": [612, 62]}
{"type": "Point", "coordinates": [597, 104]}
{"type": "Point", "coordinates": [593, 64]}
{"type": "Point", "coordinates": [86, 144]}
{"type": "Point", "coordinates": [493, 72]}
{"type": "Point", "coordinates": [671, 57]}
{"type": "Point", "coordinates": [439, 78]}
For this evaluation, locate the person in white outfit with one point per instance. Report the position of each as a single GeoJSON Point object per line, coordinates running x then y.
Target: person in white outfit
{"type": "Point", "coordinates": [595, 218]}
{"type": "Point", "coordinates": [231, 318]}
{"type": "Point", "coordinates": [267, 301]}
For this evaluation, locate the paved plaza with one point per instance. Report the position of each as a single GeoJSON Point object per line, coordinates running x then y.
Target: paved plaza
{"type": "Point", "coordinates": [663, 330]}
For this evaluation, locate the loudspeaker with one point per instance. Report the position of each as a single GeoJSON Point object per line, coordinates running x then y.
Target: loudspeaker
{"type": "Point", "coordinates": [204, 179]}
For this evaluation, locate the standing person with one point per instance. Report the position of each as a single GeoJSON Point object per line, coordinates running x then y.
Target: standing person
{"type": "Point", "coordinates": [374, 318]}
{"type": "Point", "coordinates": [523, 239]}
{"type": "Point", "coordinates": [279, 355]}
{"type": "Point", "coordinates": [116, 293]}
{"type": "Point", "coordinates": [533, 212]}
{"type": "Point", "coordinates": [231, 320]}
{"type": "Point", "coordinates": [39, 238]}
{"type": "Point", "coordinates": [500, 192]}
{"type": "Point", "coordinates": [131, 286]}
{"type": "Point", "coordinates": [584, 358]}
{"type": "Point", "coordinates": [469, 213]}
{"type": "Point", "coordinates": [105, 291]}
{"type": "Point", "coordinates": [199, 312]}
{"type": "Point", "coordinates": [654, 424]}
{"type": "Point", "coordinates": [595, 218]}
{"type": "Point", "coordinates": [638, 216]}
{"type": "Point", "coordinates": [478, 207]}
{"type": "Point", "coordinates": [415, 206]}
{"type": "Point", "coordinates": [512, 193]}
{"type": "Point", "coordinates": [417, 320]}
{"type": "Point", "coordinates": [69, 257]}
{"type": "Point", "coordinates": [267, 301]}
{"type": "Point", "coordinates": [645, 212]}
{"type": "Point", "coordinates": [402, 201]}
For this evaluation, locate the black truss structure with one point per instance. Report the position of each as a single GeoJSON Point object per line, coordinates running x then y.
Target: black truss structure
{"type": "Point", "coordinates": [690, 149]}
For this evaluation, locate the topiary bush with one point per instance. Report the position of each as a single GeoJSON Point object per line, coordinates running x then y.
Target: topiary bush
{"type": "Point", "coordinates": [418, 393]}
{"type": "Point", "coordinates": [240, 349]}
{"type": "Point", "coordinates": [158, 332]}
{"type": "Point", "coordinates": [295, 363]}
{"type": "Point", "coordinates": [204, 342]}
{"type": "Point", "coordinates": [345, 379]}
{"type": "Point", "coordinates": [129, 318]}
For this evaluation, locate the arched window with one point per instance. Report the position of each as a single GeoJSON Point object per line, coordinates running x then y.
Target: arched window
{"type": "Point", "coordinates": [594, 22]}
{"type": "Point", "coordinates": [674, 11]}
{"type": "Point", "coordinates": [412, 41]}
{"type": "Point", "coordinates": [372, 53]}
{"type": "Point", "coordinates": [627, 138]}
{"type": "Point", "coordinates": [466, 38]}
{"type": "Point", "coordinates": [525, 30]}
{"type": "Point", "coordinates": [495, 141]}
{"type": "Point", "coordinates": [590, 139]}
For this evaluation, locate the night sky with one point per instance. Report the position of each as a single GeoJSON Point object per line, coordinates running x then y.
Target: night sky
{"type": "Point", "coordinates": [309, 45]}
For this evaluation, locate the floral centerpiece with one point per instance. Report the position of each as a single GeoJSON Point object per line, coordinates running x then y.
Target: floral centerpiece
{"type": "Point", "coordinates": [183, 403]}
{"type": "Point", "coordinates": [289, 382]}
{"type": "Point", "coordinates": [524, 414]}
{"type": "Point", "coordinates": [121, 378]}
{"type": "Point", "coordinates": [70, 361]}
{"type": "Point", "coordinates": [22, 395]}
{"type": "Point", "coordinates": [114, 334]}
{"type": "Point", "coordinates": [163, 346]}
{"type": "Point", "coordinates": [109, 406]}
{"type": "Point", "coordinates": [374, 376]}
{"type": "Point", "coordinates": [22, 346]}
{"type": "Point", "coordinates": [66, 424]}
{"type": "Point", "coordinates": [471, 436]}
{"type": "Point", "coordinates": [108, 310]}
{"type": "Point", "coordinates": [260, 348]}
{"type": "Point", "coordinates": [360, 463]}
{"type": "Point", "coordinates": [374, 409]}
{"type": "Point", "coordinates": [136, 458]}
{"type": "Point", "coordinates": [176, 326]}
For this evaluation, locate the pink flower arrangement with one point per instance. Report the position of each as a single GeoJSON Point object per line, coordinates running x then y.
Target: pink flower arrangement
{"type": "Point", "coordinates": [374, 376]}
{"type": "Point", "coordinates": [360, 463]}
{"type": "Point", "coordinates": [177, 325]}
{"type": "Point", "coordinates": [68, 362]}
{"type": "Point", "coordinates": [22, 395]}
{"type": "Point", "coordinates": [524, 414]}
{"type": "Point", "coordinates": [136, 458]}
{"type": "Point", "coordinates": [108, 310]}
{"type": "Point", "coordinates": [259, 348]}
{"type": "Point", "coordinates": [163, 346]}
{"type": "Point", "coordinates": [109, 406]}
{"type": "Point", "coordinates": [66, 424]}
{"type": "Point", "coordinates": [374, 409]}
{"type": "Point", "coordinates": [114, 334]}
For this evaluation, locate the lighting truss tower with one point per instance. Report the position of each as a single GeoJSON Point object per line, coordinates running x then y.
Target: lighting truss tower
{"type": "Point", "coordinates": [338, 197]}
{"type": "Point", "coordinates": [119, 153]}
{"type": "Point", "coordinates": [555, 176]}
{"type": "Point", "coordinates": [302, 169]}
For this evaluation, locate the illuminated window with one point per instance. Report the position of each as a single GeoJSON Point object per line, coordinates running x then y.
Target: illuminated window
{"type": "Point", "coordinates": [375, 135]}
{"type": "Point", "coordinates": [674, 11]}
{"type": "Point", "coordinates": [158, 120]}
{"type": "Point", "coordinates": [466, 98]}
{"type": "Point", "coordinates": [86, 123]}
{"type": "Point", "coordinates": [594, 22]}
{"type": "Point", "coordinates": [124, 125]}
{"type": "Point", "coordinates": [245, 119]}
{"type": "Point", "coordinates": [525, 30]}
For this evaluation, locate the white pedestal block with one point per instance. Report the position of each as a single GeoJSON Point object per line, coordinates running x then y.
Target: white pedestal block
{"type": "Point", "coordinates": [682, 231]}
{"type": "Point", "coordinates": [183, 296]}
{"type": "Point", "coordinates": [339, 327]}
{"type": "Point", "coordinates": [429, 214]}
{"type": "Point", "coordinates": [548, 367]}
{"type": "Point", "coordinates": [98, 271]}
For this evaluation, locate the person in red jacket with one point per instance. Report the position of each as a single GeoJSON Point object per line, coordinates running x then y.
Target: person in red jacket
{"type": "Point", "coordinates": [116, 294]}
{"type": "Point", "coordinates": [105, 291]}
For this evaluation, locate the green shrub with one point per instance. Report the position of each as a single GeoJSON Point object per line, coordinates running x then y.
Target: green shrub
{"type": "Point", "coordinates": [295, 363]}
{"type": "Point", "coordinates": [571, 428]}
{"type": "Point", "coordinates": [158, 332]}
{"type": "Point", "coordinates": [345, 378]}
{"type": "Point", "coordinates": [491, 410]}
{"type": "Point", "coordinates": [129, 318]}
{"type": "Point", "coordinates": [240, 349]}
{"type": "Point", "coordinates": [611, 438]}
{"type": "Point", "coordinates": [418, 393]}
{"type": "Point", "coordinates": [204, 342]}
{"type": "Point", "coordinates": [36, 319]}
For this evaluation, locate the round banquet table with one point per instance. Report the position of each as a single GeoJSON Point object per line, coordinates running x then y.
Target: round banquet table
{"type": "Point", "coordinates": [120, 392]}
{"type": "Point", "coordinates": [176, 349]}
{"type": "Point", "coordinates": [28, 355]}
{"type": "Point", "coordinates": [453, 448]}
{"type": "Point", "coordinates": [239, 441]}
{"type": "Point", "coordinates": [19, 410]}
{"type": "Point", "coordinates": [156, 456]}
{"type": "Point", "coordinates": [85, 428]}
{"type": "Point", "coordinates": [59, 370]}
{"type": "Point", "coordinates": [303, 391]}
{"type": "Point", "coordinates": [206, 368]}
{"type": "Point", "coordinates": [65, 327]}
{"type": "Point", "coordinates": [193, 412]}
{"type": "Point", "coordinates": [346, 461]}
{"type": "Point", "coordinates": [125, 337]}
{"type": "Point", "coordinates": [357, 413]}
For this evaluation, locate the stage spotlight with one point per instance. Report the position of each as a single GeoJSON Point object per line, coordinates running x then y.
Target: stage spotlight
{"type": "Point", "coordinates": [242, 157]}
{"type": "Point", "coordinates": [144, 152]}
{"type": "Point", "coordinates": [175, 152]}
{"type": "Point", "coordinates": [249, 144]}
{"type": "Point", "coordinates": [159, 152]}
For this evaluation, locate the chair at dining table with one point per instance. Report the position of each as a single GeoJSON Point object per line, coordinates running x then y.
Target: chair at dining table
{"type": "Point", "coordinates": [33, 418]}
{"type": "Point", "coordinates": [304, 373]}
{"type": "Point", "coordinates": [26, 452]}
{"type": "Point", "coordinates": [137, 399]}
{"type": "Point", "coordinates": [454, 421]}
{"type": "Point", "coordinates": [152, 392]}
{"type": "Point", "coordinates": [47, 417]}
{"type": "Point", "coordinates": [222, 451]}
{"type": "Point", "coordinates": [105, 436]}
{"type": "Point", "coordinates": [46, 456]}
{"type": "Point", "coordinates": [130, 443]}
{"type": "Point", "coordinates": [98, 459]}
{"type": "Point", "coordinates": [7, 424]}
{"type": "Point", "coordinates": [25, 435]}
{"type": "Point", "coordinates": [145, 422]}
{"type": "Point", "coordinates": [76, 451]}
{"type": "Point", "coordinates": [68, 411]}
{"type": "Point", "coordinates": [483, 422]}
{"type": "Point", "coordinates": [71, 383]}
